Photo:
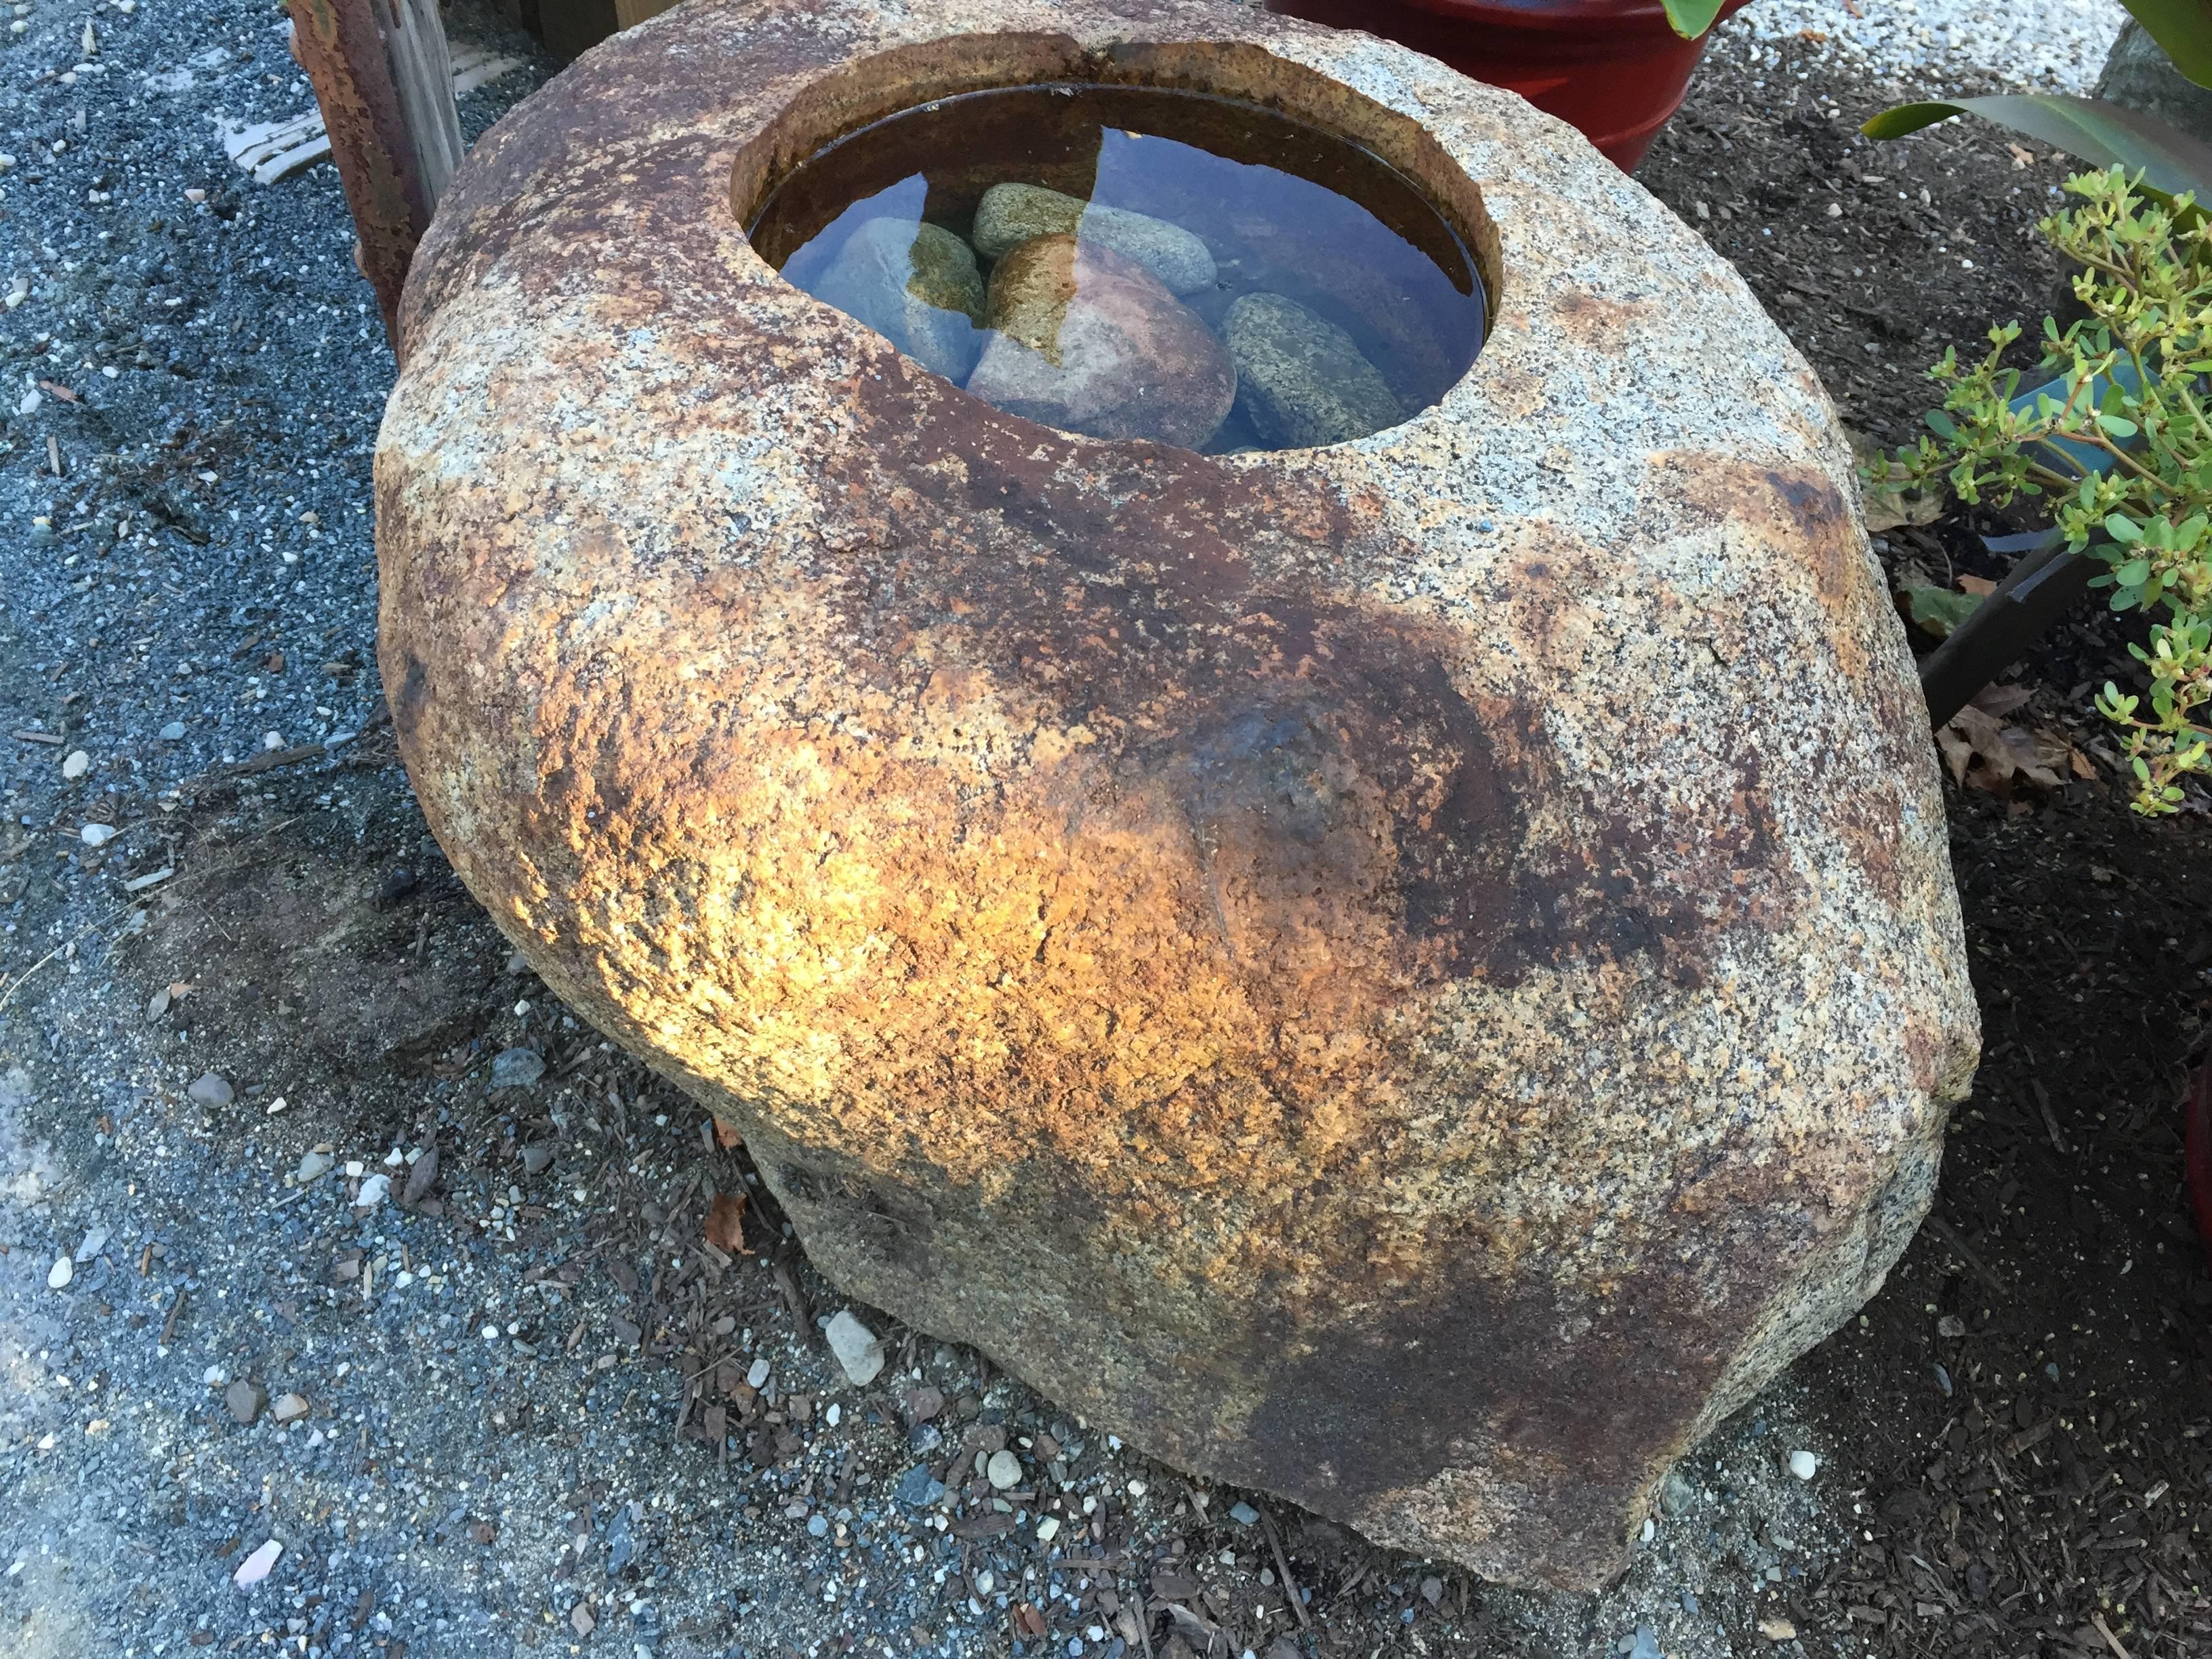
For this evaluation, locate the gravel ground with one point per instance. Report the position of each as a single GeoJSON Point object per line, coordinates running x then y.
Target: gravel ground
{"type": "Point", "coordinates": [323, 1227]}
{"type": "Point", "coordinates": [2056, 45]}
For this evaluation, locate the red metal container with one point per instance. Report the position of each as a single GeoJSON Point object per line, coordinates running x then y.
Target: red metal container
{"type": "Point", "coordinates": [1615, 69]}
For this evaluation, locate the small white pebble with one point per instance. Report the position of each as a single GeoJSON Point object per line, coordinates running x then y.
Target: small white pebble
{"type": "Point", "coordinates": [256, 1567]}
{"type": "Point", "coordinates": [1804, 1465]}
{"type": "Point", "coordinates": [76, 765]}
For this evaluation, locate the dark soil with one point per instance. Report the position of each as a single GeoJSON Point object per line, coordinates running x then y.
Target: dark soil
{"type": "Point", "coordinates": [2041, 1471]}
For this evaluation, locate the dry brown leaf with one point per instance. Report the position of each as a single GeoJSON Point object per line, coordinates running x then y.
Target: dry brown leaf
{"type": "Point", "coordinates": [725, 1136]}
{"type": "Point", "coordinates": [1982, 751]}
{"type": "Point", "coordinates": [1979, 585]}
{"type": "Point", "coordinates": [725, 1223]}
{"type": "Point", "coordinates": [1958, 750]}
{"type": "Point", "coordinates": [419, 1179]}
{"type": "Point", "coordinates": [1894, 509]}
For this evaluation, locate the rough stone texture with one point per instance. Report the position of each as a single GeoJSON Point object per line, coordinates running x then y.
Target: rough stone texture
{"type": "Point", "coordinates": [1413, 974]}
{"type": "Point", "coordinates": [1089, 341]}
{"type": "Point", "coordinates": [917, 285]}
{"type": "Point", "coordinates": [1302, 378]}
{"type": "Point", "coordinates": [1010, 215]}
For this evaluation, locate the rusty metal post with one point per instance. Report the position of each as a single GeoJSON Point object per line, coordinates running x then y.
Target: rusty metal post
{"type": "Point", "coordinates": [342, 45]}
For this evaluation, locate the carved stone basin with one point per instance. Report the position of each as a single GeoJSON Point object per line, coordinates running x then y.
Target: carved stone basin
{"type": "Point", "coordinates": [1413, 974]}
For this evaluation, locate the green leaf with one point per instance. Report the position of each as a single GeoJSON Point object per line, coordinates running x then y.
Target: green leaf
{"type": "Point", "coordinates": [1941, 424]}
{"type": "Point", "coordinates": [2118, 425]}
{"type": "Point", "coordinates": [2133, 573]}
{"type": "Point", "coordinates": [2182, 29]}
{"type": "Point", "coordinates": [2106, 134]}
{"type": "Point", "coordinates": [1692, 18]}
{"type": "Point", "coordinates": [1938, 610]}
{"type": "Point", "coordinates": [2123, 529]}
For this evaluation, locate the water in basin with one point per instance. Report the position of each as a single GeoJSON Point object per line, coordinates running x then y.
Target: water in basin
{"type": "Point", "coordinates": [1132, 262]}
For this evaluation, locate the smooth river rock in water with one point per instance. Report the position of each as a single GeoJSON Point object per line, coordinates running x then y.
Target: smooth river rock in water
{"type": "Point", "coordinates": [1301, 379]}
{"type": "Point", "coordinates": [917, 285]}
{"type": "Point", "coordinates": [1010, 215]}
{"type": "Point", "coordinates": [1415, 975]}
{"type": "Point", "coordinates": [1087, 341]}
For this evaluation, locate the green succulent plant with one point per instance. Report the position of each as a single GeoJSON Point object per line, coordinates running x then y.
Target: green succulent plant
{"type": "Point", "coordinates": [2120, 442]}
{"type": "Point", "coordinates": [2118, 446]}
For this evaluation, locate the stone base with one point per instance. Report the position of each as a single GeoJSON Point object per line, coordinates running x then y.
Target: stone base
{"type": "Point", "coordinates": [1413, 974]}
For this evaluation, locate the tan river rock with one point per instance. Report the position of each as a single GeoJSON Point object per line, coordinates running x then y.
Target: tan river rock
{"type": "Point", "coordinates": [1088, 340]}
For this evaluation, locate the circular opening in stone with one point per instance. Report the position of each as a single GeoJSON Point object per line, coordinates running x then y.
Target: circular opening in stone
{"type": "Point", "coordinates": [1137, 262]}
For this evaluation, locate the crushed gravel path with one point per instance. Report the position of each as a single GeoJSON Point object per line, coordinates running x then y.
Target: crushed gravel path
{"type": "Point", "coordinates": [2057, 46]}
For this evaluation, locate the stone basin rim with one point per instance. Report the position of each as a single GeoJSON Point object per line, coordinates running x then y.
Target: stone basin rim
{"type": "Point", "coordinates": [835, 106]}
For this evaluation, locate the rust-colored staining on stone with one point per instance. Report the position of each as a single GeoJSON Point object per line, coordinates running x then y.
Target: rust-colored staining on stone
{"type": "Point", "coordinates": [1597, 322]}
{"type": "Point", "coordinates": [1414, 974]}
